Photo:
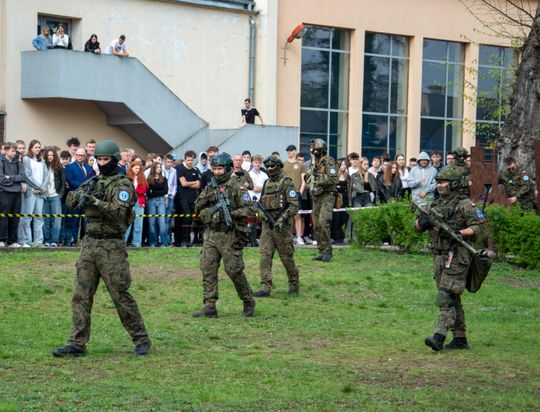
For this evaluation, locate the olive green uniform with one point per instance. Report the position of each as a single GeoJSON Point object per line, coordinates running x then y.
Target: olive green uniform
{"type": "Point", "coordinates": [279, 198]}
{"type": "Point", "coordinates": [221, 242]}
{"type": "Point", "coordinates": [451, 261]}
{"type": "Point", "coordinates": [461, 167]}
{"type": "Point", "coordinates": [103, 255]}
{"type": "Point", "coordinates": [323, 187]}
{"type": "Point", "coordinates": [520, 185]}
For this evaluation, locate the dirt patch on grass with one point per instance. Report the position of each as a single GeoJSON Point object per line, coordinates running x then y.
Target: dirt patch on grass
{"type": "Point", "coordinates": [520, 283]}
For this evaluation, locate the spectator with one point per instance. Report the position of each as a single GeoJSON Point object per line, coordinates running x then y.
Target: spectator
{"type": "Point", "coordinates": [12, 185]}
{"type": "Point", "coordinates": [156, 158]}
{"type": "Point", "coordinates": [124, 161]}
{"type": "Point", "coordinates": [375, 166]}
{"type": "Point", "coordinates": [450, 158]}
{"type": "Point", "coordinates": [258, 177]}
{"type": "Point", "coordinates": [412, 163]}
{"type": "Point", "coordinates": [354, 160]}
{"type": "Point", "coordinates": [90, 146]}
{"type": "Point", "coordinates": [157, 203]}
{"type": "Point", "coordinates": [170, 173]}
{"type": "Point", "coordinates": [149, 161]}
{"type": "Point", "coordinates": [73, 143]}
{"type": "Point", "coordinates": [76, 173]}
{"type": "Point", "coordinates": [37, 177]}
{"type": "Point", "coordinates": [421, 180]}
{"type": "Point", "coordinates": [92, 45]}
{"type": "Point", "coordinates": [339, 219]}
{"type": "Point", "coordinates": [3, 149]}
{"type": "Point", "coordinates": [207, 175]}
{"type": "Point", "coordinates": [391, 186]}
{"type": "Point", "coordinates": [65, 158]}
{"type": "Point", "coordinates": [189, 180]}
{"type": "Point", "coordinates": [403, 174]}
{"type": "Point", "coordinates": [44, 40]}
{"type": "Point", "coordinates": [135, 173]}
{"type": "Point", "coordinates": [117, 47]}
{"type": "Point", "coordinates": [305, 203]}
{"type": "Point", "coordinates": [56, 186]}
{"type": "Point", "coordinates": [243, 177]}
{"type": "Point", "coordinates": [276, 154]}
{"type": "Point", "coordinates": [60, 39]}
{"type": "Point", "coordinates": [249, 113]}
{"type": "Point", "coordinates": [363, 186]}
{"type": "Point", "coordinates": [296, 170]}
{"type": "Point", "coordinates": [65, 231]}
{"type": "Point", "coordinates": [21, 149]}
{"type": "Point", "coordinates": [246, 161]}
{"type": "Point", "coordinates": [202, 162]}
{"type": "Point", "coordinates": [436, 160]}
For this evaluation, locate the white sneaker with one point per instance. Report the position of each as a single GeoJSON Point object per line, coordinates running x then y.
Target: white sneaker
{"type": "Point", "coordinates": [314, 243]}
{"type": "Point", "coordinates": [53, 244]}
{"type": "Point", "coordinates": [26, 245]}
{"type": "Point", "coordinates": [300, 241]}
{"type": "Point", "coordinates": [14, 245]}
{"type": "Point", "coordinates": [2, 244]}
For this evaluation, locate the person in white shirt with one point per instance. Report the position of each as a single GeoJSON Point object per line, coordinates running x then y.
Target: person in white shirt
{"type": "Point", "coordinates": [403, 174]}
{"type": "Point", "coordinates": [170, 173]}
{"type": "Point", "coordinates": [354, 158]}
{"type": "Point", "coordinates": [118, 47]}
{"type": "Point", "coordinates": [258, 177]}
{"type": "Point", "coordinates": [60, 39]}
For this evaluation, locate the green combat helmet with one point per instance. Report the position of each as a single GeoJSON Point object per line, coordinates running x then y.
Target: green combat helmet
{"type": "Point", "coordinates": [318, 147]}
{"type": "Point", "coordinates": [450, 174]}
{"type": "Point", "coordinates": [107, 148]}
{"type": "Point", "coordinates": [461, 154]}
{"type": "Point", "coordinates": [273, 166]}
{"type": "Point", "coordinates": [223, 159]}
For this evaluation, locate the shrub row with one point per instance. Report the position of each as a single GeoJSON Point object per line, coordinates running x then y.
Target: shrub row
{"type": "Point", "coordinates": [511, 231]}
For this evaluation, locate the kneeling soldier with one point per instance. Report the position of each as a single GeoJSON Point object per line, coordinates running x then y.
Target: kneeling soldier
{"type": "Point", "coordinates": [278, 205]}
{"type": "Point", "coordinates": [107, 202]}
{"type": "Point", "coordinates": [223, 207]}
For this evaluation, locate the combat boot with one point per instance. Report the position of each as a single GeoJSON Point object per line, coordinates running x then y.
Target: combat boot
{"type": "Point", "coordinates": [435, 342]}
{"type": "Point", "coordinates": [261, 294]}
{"type": "Point", "coordinates": [249, 309]}
{"type": "Point", "coordinates": [327, 257]}
{"type": "Point", "coordinates": [292, 292]}
{"type": "Point", "coordinates": [457, 343]}
{"type": "Point", "coordinates": [320, 257]}
{"type": "Point", "coordinates": [68, 351]}
{"type": "Point", "coordinates": [142, 348]}
{"type": "Point", "coordinates": [207, 312]}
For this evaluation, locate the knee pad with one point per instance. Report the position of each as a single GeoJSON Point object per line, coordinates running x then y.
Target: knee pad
{"type": "Point", "coordinates": [444, 299]}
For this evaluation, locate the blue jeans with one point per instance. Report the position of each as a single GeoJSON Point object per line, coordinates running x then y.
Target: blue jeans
{"type": "Point", "coordinates": [156, 205]}
{"type": "Point", "coordinates": [31, 204]}
{"type": "Point", "coordinates": [52, 226]}
{"type": "Point", "coordinates": [137, 226]}
{"type": "Point", "coordinates": [169, 210]}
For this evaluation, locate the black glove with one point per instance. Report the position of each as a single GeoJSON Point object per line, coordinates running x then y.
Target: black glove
{"type": "Point", "coordinates": [424, 223]}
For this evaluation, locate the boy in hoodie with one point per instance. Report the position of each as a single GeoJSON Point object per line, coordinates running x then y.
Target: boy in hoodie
{"type": "Point", "coordinates": [422, 180]}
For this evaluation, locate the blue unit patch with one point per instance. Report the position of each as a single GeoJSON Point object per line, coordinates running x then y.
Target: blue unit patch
{"type": "Point", "coordinates": [525, 178]}
{"type": "Point", "coordinates": [479, 214]}
{"type": "Point", "coordinates": [333, 171]}
{"type": "Point", "coordinates": [123, 196]}
{"type": "Point", "coordinates": [292, 193]}
{"type": "Point", "coordinates": [246, 197]}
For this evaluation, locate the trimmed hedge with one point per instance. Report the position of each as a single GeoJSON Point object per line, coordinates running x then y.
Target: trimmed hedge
{"type": "Point", "coordinates": [512, 232]}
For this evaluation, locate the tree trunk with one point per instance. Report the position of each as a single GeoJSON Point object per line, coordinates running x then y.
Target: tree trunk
{"type": "Point", "coordinates": [522, 124]}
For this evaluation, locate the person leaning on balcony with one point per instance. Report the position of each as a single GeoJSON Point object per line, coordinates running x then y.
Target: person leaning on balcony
{"type": "Point", "coordinates": [92, 45]}
{"type": "Point", "coordinates": [60, 39]}
{"type": "Point", "coordinates": [117, 47]}
{"type": "Point", "coordinates": [44, 40]}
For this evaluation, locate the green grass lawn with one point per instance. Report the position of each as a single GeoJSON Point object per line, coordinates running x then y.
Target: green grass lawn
{"type": "Point", "coordinates": [352, 340]}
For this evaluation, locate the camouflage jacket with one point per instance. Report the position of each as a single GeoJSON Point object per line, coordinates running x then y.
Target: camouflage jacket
{"type": "Point", "coordinates": [114, 212]}
{"type": "Point", "coordinates": [325, 179]}
{"type": "Point", "coordinates": [520, 185]}
{"type": "Point", "coordinates": [279, 197]}
{"type": "Point", "coordinates": [242, 177]}
{"type": "Point", "coordinates": [458, 213]}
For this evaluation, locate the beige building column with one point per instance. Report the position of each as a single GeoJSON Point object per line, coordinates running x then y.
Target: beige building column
{"type": "Point", "coordinates": [414, 106]}
{"type": "Point", "coordinates": [356, 91]}
{"type": "Point", "coordinates": [470, 92]}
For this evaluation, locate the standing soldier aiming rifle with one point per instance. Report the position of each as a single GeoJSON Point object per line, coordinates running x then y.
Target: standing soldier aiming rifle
{"type": "Point", "coordinates": [107, 202]}
{"type": "Point", "coordinates": [322, 179]}
{"type": "Point", "coordinates": [455, 221]}
{"type": "Point", "coordinates": [278, 205]}
{"type": "Point", "coordinates": [223, 206]}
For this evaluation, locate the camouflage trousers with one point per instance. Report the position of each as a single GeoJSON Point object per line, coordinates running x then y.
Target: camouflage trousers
{"type": "Point", "coordinates": [450, 285]}
{"type": "Point", "coordinates": [272, 240]}
{"type": "Point", "coordinates": [322, 218]}
{"type": "Point", "coordinates": [217, 246]}
{"type": "Point", "coordinates": [105, 259]}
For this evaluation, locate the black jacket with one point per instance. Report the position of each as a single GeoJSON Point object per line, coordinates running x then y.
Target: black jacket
{"type": "Point", "coordinates": [91, 47]}
{"type": "Point", "coordinates": [60, 182]}
{"type": "Point", "coordinates": [157, 189]}
{"type": "Point", "coordinates": [11, 175]}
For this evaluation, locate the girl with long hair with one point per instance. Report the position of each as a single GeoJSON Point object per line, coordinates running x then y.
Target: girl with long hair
{"type": "Point", "coordinates": [391, 183]}
{"type": "Point", "coordinates": [136, 174]}
{"type": "Point", "coordinates": [403, 174]}
{"type": "Point", "coordinates": [157, 203]}
{"type": "Point", "coordinates": [52, 204]}
{"type": "Point", "coordinates": [363, 186]}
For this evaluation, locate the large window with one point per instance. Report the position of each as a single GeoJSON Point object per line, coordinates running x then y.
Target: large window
{"type": "Point", "coordinates": [495, 75]}
{"type": "Point", "coordinates": [325, 88]}
{"type": "Point", "coordinates": [384, 117]}
{"type": "Point", "coordinates": [442, 96]}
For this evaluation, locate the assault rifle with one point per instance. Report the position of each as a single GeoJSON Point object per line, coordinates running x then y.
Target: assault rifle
{"type": "Point", "coordinates": [223, 205]}
{"type": "Point", "coordinates": [83, 197]}
{"type": "Point", "coordinates": [436, 220]}
{"type": "Point", "coordinates": [267, 215]}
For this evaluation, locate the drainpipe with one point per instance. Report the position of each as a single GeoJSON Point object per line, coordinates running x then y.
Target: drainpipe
{"type": "Point", "coordinates": [252, 33]}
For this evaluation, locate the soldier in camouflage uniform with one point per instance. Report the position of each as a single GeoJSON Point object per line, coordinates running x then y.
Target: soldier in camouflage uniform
{"type": "Point", "coordinates": [517, 185]}
{"type": "Point", "coordinates": [279, 198]}
{"type": "Point", "coordinates": [460, 165]}
{"type": "Point", "coordinates": [108, 209]}
{"type": "Point", "coordinates": [222, 242]}
{"type": "Point", "coordinates": [451, 261]}
{"type": "Point", "coordinates": [322, 179]}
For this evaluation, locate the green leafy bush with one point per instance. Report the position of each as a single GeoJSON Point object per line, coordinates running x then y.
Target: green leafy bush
{"type": "Point", "coordinates": [369, 226]}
